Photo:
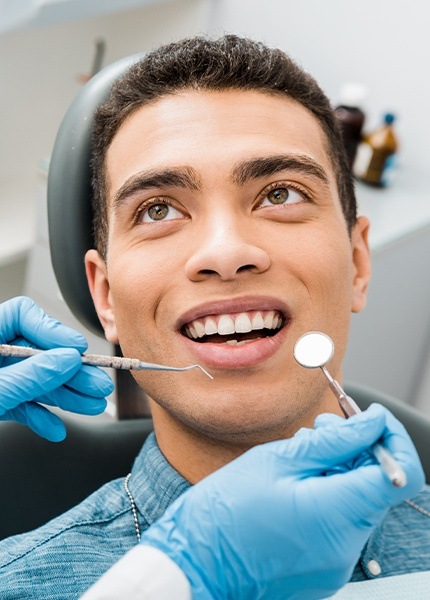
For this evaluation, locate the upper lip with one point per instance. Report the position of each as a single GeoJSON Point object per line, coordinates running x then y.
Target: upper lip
{"type": "Point", "coordinates": [236, 305]}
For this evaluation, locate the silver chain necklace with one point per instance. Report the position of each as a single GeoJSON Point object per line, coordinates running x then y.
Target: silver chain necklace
{"type": "Point", "coordinates": [419, 508]}
{"type": "Point", "coordinates": [133, 506]}
{"type": "Point", "coordinates": [410, 503]}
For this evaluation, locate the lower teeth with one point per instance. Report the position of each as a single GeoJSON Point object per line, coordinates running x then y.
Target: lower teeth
{"type": "Point", "coordinates": [241, 343]}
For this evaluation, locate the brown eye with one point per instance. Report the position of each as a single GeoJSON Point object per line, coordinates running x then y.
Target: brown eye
{"type": "Point", "coordinates": [278, 195]}
{"type": "Point", "coordinates": [282, 196]}
{"type": "Point", "coordinates": [158, 212]}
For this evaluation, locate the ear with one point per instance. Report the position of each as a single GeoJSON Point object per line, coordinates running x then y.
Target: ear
{"type": "Point", "coordinates": [361, 263]}
{"type": "Point", "coordinates": [98, 282]}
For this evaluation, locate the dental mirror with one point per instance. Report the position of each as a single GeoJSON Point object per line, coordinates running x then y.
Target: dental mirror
{"type": "Point", "coordinates": [313, 350]}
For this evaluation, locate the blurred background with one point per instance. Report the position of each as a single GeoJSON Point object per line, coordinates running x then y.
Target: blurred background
{"type": "Point", "coordinates": [49, 48]}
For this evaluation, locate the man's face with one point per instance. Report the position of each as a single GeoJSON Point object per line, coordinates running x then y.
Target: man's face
{"type": "Point", "coordinates": [226, 243]}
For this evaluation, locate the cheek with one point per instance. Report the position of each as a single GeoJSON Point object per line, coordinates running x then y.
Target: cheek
{"type": "Point", "coordinates": [138, 281]}
{"type": "Point", "coordinates": [323, 264]}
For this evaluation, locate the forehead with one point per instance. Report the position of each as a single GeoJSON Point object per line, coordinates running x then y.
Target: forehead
{"type": "Point", "coordinates": [208, 129]}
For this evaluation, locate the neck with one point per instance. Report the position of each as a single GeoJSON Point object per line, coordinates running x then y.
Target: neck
{"type": "Point", "coordinates": [196, 455]}
{"type": "Point", "coordinates": [192, 454]}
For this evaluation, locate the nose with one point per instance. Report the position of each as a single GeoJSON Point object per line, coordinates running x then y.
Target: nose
{"type": "Point", "coordinates": [224, 252]}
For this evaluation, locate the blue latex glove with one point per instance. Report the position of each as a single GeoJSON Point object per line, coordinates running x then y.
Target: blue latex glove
{"type": "Point", "coordinates": [55, 378]}
{"type": "Point", "coordinates": [278, 523]}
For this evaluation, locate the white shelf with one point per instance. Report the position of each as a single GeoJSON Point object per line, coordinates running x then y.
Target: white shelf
{"type": "Point", "coordinates": [397, 211]}
{"type": "Point", "coordinates": [42, 13]}
{"type": "Point", "coordinates": [17, 223]}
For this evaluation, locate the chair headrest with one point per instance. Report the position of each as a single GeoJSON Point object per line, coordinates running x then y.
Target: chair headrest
{"type": "Point", "coordinates": [70, 194]}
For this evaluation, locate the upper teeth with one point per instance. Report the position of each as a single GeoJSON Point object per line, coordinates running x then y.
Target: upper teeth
{"type": "Point", "coordinates": [229, 324]}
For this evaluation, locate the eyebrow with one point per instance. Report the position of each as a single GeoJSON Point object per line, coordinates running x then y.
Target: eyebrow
{"type": "Point", "coordinates": [256, 168]}
{"type": "Point", "coordinates": [187, 178]}
{"type": "Point", "coordinates": [179, 177]}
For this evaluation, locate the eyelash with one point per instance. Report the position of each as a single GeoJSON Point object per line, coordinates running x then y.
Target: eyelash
{"type": "Point", "coordinates": [273, 186]}
{"type": "Point", "coordinates": [285, 184]}
{"type": "Point", "coordinates": [152, 202]}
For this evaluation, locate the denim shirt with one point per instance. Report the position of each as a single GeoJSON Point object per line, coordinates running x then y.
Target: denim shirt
{"type": "Point", "coordinates": [64, 558]}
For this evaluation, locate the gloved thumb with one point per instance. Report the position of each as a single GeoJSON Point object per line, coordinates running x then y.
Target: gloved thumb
{"type": "Point", "coordinates": [336, 442]}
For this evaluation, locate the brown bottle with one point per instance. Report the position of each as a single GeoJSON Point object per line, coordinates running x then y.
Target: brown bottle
{"type": "Point", "coordinates": [351, 117]}
{"type": "Point", "coordinates": [375, 160]}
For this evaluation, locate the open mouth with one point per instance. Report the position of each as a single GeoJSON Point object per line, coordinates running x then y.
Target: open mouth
{"type": "Point", "coordinates": [235, 329]}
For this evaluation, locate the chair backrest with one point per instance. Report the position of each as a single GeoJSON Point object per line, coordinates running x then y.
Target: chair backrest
{"type": "Point", "coordinates": [417, 423]}
{"type": "Point", "coordinates": [40, 480]}
{"type": "Point", "coordinates": [70, 193]}
{"type": "Point", "coordinates": [70, 201]}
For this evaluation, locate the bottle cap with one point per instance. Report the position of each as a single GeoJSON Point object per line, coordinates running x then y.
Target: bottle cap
{"type": "Point", "coordinates": [389, 118]}
{"type": "Point", "coordinates": [353, 94]}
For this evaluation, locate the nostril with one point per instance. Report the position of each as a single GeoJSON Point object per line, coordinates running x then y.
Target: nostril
{"type": "Point", "coordinates": [246, 268]}
{"type": "Point", "coordinates": [239, 270]}
{"type": "Point", "coordinates": [208, 272]}
{"type": "Point", "coordinates": [226, 261]}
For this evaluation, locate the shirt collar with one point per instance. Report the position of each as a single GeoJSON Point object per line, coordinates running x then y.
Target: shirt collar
{"type": "Point", "coordinates": [154, 483]}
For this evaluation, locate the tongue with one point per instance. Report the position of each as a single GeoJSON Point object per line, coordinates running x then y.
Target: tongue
{"type": "Point", "coordinates": [239, 337]}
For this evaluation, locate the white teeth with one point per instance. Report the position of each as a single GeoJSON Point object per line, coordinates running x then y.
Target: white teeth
{"type": "Point", "coordinates": [225, 325]}
{"type": "Point", "coordinates": [199, 329]}
{"type": "Point", "coordinates": [241, 343]}
{"type": "Point", "coordinates": [243, 323]}
{"type": "Point", "coordinates": [258, 321]}
{"type": "Point", "coordinates": [228, 324]}
{"type": "Point", "coordinates": [192, 331]}
{"type": "Point", "coordinates": [269, 321]}
{"type": "Point", "coordinates": [210, 327]}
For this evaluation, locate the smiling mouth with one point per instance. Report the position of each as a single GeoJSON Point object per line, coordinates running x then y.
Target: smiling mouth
{"type": "Point", "coordinates": [235, 329]}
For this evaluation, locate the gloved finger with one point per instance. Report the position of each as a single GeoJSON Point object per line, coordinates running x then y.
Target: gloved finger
{"type": "Point", "coordinates": [366, 493]}
{"type": "Point", "coordinates": [395, 434]}
{"type": "Point", "coordinates": [399, 443]}
{"type": "Point", "coordinates": [91, 381]}
{"type": "Point", "coordinates": [318, 450]}
{"type": "Point", "coordinates": [21, 316]}
{"type": "Point", "coordinates": [364, 458]}
{"type": "Point", "coordinates": [36, 376]}
{"type": "Point", "coordinates": [39, 419]}
{"type": "Point", "coordinates": [72, 401]}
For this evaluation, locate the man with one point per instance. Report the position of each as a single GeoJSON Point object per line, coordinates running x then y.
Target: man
{"type": "Point", "coordinates": [226, 228]}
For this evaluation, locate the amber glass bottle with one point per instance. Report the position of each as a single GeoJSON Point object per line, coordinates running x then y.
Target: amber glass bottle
{"type": "Point", "coordinates": [351, 117]}
{"type": "Point", "coordinates": [375, 160]}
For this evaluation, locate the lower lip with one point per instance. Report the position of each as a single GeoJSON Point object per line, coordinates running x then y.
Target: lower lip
{"type": "Point", "coordinates": [230, 357]}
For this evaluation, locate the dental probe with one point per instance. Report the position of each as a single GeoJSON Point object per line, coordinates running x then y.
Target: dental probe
{"type": "Point", "coordinates": [98, 360]}
{"type": "Point", "coordinates": [386, 460]}
{"type": "Point", "coordinates": [315, 349]}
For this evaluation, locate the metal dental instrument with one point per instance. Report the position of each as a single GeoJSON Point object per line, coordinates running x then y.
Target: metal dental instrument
{"type": "Point", "coordinates": [314, 350]}
{"type": "Point", "coordinates": [98, 360]}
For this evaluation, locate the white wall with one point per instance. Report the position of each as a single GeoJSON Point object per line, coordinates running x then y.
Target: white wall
{"type": "Point", "coordinates": [39, 70]}
{"type": "Point", "coordinates": [39, 77]}
{"type": "Point", "coordinates": [383, 43]}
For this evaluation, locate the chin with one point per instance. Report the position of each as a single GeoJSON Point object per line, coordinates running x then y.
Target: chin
{"type": "Point", "coordinates": [244, 425]}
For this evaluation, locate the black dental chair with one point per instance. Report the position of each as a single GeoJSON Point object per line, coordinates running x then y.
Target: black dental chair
{"type": "Point", "coordinates": [39, 479]}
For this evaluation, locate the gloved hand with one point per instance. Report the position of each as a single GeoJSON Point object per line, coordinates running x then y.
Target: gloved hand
{"type": "Point", "coordinates": [56, 378]}
{"type": "Point", "coordinates": [278, 522]}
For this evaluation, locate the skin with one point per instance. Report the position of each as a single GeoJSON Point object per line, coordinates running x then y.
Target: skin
{"type": "Point", "coordinates": [223, 247]}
